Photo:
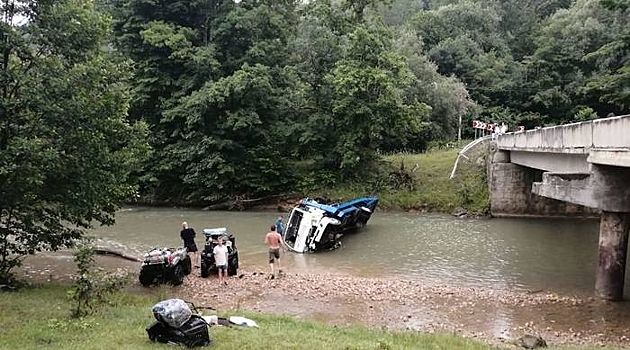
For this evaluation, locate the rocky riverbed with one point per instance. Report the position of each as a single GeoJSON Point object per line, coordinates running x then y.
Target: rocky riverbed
{"type": "Point", "coordinates": [494, 316]}
{"type": "Point", "coordinates": [490, 315]}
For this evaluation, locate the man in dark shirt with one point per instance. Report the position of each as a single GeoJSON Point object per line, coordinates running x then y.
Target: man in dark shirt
{"type": "Point", "coordinates": [280, 226]}
{"type": "Point", "coordinates": [188, 236]}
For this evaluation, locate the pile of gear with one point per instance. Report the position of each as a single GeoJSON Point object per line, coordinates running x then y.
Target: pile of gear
{"type": "Point", "coordinates": [178, 322]}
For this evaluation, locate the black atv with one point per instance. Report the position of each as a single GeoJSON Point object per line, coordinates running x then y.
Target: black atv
{"type": "Point", "coordinates": [207, 257]}
{"type": "Point", "coordinates": [165, 265]}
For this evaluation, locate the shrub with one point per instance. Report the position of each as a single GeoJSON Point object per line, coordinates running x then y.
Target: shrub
{"type": "Point", "coordinates": [92, 285]}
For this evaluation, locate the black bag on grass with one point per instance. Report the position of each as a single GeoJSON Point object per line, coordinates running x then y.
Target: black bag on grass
{"type": "Point", "coordinates": [178, 322]}
{"type": "Point", "coordinates": [193, 332]}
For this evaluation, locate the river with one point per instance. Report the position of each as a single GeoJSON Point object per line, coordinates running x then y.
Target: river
{"type": "Point", "coordinates": [516, 254]}
{"type": "Point", "coordinates": [494, 279]}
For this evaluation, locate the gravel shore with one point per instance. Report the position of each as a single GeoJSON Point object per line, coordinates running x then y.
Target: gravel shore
{"type": "Point", "coordinates": [493, 316]}
{"type": "Point", "coordinates": [496, 317]}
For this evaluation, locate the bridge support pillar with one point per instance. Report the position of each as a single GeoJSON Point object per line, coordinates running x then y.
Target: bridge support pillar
{"type": "Point", "coordinates": [613, 247]}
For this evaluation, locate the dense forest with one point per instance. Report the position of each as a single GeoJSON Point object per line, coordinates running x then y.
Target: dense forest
{"type": "Point", "coordinates": [250, 98]}
{"type": "Point", "coordinates": [242, 99]}
{"type": "Point", "coordinates": [198, 101]}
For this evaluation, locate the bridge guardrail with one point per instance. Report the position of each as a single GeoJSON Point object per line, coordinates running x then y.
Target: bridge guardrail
{"type": "Point", "coordinates": [606, 133]}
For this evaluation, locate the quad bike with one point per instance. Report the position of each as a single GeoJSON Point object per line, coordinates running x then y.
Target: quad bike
{"type": "Point", "coordinates": [207, 257]}
{"type": "Point", "coordinates": [165, 265]}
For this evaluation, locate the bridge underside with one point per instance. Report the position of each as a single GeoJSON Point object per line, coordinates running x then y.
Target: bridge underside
{"type": "Point", "coordinates": [606, 188]}
{"type": "Point", "coordinates": [512, 193]}
{"type": "Point", "coordinates": [552, 184]}
{"type": "Point", "coordinates": [583, 165]}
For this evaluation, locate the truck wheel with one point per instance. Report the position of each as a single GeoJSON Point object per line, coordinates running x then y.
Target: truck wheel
{"type": "Point", "coordinates": [205, 269]}
{"type": "Point", "coordinates": [178, 275]}
{"type": "Point", "coordinates": [187, 265]}
{"type": "Point", "coordinates": [145, 278]}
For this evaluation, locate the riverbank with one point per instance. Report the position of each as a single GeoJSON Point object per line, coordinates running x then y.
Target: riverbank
{"type": "Point", "coordinates": [37, 318]}
{"type": "Point", "coordinates": [408, 182]}
{"type": "Point", "coordinates": [493, 316]}
{"type": "Point", "coordinates": [418, 183]}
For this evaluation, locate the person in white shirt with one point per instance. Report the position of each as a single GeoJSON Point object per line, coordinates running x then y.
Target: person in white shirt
{"type": "Point", "coordinates": [220, 253]}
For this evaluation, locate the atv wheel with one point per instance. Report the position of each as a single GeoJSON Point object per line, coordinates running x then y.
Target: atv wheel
{"type": "Point", "coordinates": [205, 269]}
{"type": "Point", "coordinates": [233, 267]}
{"type": "Point", "coordinates": [145, 278]}
{"type": "Point", "coordinates": [178, 275]}
{"type": "Point", "coordinates": [187, 265]}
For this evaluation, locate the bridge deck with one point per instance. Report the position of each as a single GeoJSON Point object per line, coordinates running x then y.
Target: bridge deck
{"type": "Point", "coordinates": [611, 134]}
{"type": "Point", "coordinates": [601, 141]}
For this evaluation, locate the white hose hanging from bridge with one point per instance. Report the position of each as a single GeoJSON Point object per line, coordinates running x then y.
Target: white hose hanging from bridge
{"type": "Point", "coordinates": [465, 149]}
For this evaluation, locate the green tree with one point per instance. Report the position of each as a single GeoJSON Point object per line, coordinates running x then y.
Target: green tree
{"type": "Point", "coordinates": [213, 82]}
{"type": "Point", "coordinates": [359, 96]}
{"type": "Point", "coordinates": [611, 83]}
{"type": "Point", "coordinates": [521, 20]}
{"type": "Point", "coordinates": [231, 140]}
{"type": "Point", "coordinates": [66, 148]}
{"type": "Point", "coordinates": [369, 104]}
{"type": "Point", "coordinates": [573, 51]}
{"type": "Point", "coordinates": [465, 40]}
{"type": "Point", "coordinates": [320, 43]}
{"type": "Point", "coordinates": [447, 96]}
{"type": "Point", "coordinates": [399, 12]}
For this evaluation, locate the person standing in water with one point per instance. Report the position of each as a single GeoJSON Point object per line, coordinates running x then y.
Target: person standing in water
{"type": "Point", "coordinates": [272, 240]}
{"type": "Point", "coordinates": [188, 236]}
{"type": "Point", "coordinates": [280, 226]}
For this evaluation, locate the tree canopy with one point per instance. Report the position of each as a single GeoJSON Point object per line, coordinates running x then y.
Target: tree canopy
{"type": "Point", "coordinates": [250, 98]}
{"type": "Point", "coordinates": [67, 153]}
{"type": "Point", "coordinates": [239, 99]}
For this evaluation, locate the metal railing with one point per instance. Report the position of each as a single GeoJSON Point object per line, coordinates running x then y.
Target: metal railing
{"type": "Point", "coordinates": [465, 149]}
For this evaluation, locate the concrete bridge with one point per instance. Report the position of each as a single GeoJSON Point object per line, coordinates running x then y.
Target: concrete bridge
{"type": "Point", "coordinates": [580, 169]}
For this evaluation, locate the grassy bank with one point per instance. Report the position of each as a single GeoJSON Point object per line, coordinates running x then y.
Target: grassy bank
{"type": "Point", "coordinates": [431, 190]}
{"type": "Point", "coordinates": [37, 318]}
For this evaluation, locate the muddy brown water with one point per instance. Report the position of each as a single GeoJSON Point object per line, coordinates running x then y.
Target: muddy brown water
{"type": "Point", "coordinates": [518, 254]}
{"type": "Point", "coordinates": [526, 256]}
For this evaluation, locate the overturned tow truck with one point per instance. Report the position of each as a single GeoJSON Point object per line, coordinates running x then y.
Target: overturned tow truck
{"type": "Point", "coordinates": [315, 226]}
